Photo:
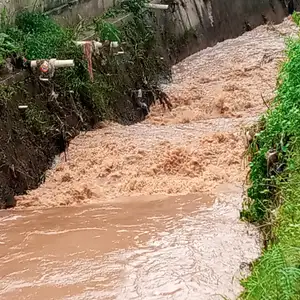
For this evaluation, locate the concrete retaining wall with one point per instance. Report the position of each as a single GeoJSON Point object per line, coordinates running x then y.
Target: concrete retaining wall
{"type": "Point", "coordinates": [221, 14]}
{"type": "Point", "coordinates": [203, 23]}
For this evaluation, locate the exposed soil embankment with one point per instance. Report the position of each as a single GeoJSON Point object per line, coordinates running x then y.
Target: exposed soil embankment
{"type": "Point", "coordinates": [27, 151]}
{"type": "Point", "coordinates": [28, 145]}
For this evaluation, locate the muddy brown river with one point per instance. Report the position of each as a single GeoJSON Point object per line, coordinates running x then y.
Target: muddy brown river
{"type": "Point", "coordinates": [151, 211]}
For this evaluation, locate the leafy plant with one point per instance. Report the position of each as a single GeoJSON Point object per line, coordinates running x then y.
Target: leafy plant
{"type": "Point", "coordinates": [296, 17]}
{"type": "Point", "coordinates": [136, 7]}
{"type": "Point", "coordinates": [7, 47]}
{"type": "Point", "coordinates": [114, 12]}
{"type": "Point", "coordinates": [5, 19]}
{"type": "Point", "coordinates": [107, 31]}
{"type": "Point", "coordinates": [43, 38]}
{"type": "Point", "coordinates": [37, 120]}
{"type": "Point", "coordinates": [141, 61]}
{"type": "Point", "coordinates": [36, 23]}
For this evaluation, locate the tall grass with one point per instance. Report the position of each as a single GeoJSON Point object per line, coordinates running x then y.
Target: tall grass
{"type": "Point", "coordinates": [274, 195]}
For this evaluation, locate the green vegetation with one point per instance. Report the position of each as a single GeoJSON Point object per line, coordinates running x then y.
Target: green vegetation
{"type": "Point", "coordinates": [37, 120]}
{"type": "Point", "coordinates": [36, 36]}
{"type": "Point", "coordinates": [107, 31]}
{"type": "Point", "coordinates": [6, 94]}
{"type": "Point", "coordinates": [274, 195]}
{"type": "Point", "coordinates": [40, 36]}
{"type": "Point", "coordinates": [70, 102]}
{"type": "Point", "coordinates": [296, 18]}
{"type": "Point", "coordinates": [8, 45]}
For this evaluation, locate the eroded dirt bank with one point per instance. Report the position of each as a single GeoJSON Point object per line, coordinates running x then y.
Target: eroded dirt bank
{"type": "Point", "coordinates": [162, 198]}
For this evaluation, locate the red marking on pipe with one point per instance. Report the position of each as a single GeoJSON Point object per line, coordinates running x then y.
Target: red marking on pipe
{"type": "Point", "coordinates": [44, 67]}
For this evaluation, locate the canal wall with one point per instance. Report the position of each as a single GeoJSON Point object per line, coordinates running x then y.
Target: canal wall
{"type": "Point", "coordinates": [220, 17]}
{"type": "Point", "coordinates": [203, 23]}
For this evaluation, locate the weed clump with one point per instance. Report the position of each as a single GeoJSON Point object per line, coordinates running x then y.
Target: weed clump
{"type": "Point", "coordinates": [296, 17]}
{"type": "Point", "coordinates": [41, 37]}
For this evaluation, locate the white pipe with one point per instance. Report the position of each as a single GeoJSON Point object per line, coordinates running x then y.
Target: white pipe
{"type": "Point", "coordinates": [119, 53]}
{"type": "Point", "coordinates": [43, 79]}
{"type": "Point", "coordinates": [114, 44]}
{"type": "Point", "coordinates": [23, 106]}
{"type": "Point", "coordinates": [64, 63]}
{"type": "Point", "coordinates": [97, 44]}
{"type": "Point", "coordinates": [157, 6]}
{"type": "Point", "coordinates": [57, 63]}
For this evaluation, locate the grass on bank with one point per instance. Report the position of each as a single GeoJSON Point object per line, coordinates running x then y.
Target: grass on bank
{"type": "Point", "coordinates": [274, 195]}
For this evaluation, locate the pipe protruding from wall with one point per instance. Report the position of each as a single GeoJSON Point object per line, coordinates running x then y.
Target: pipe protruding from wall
{"type": "Point", "coordinates": [157, 6]}
{"type": "Point", "coordinates": [97, 45]}
{"type": "Point", "coordinates": [57, 63]}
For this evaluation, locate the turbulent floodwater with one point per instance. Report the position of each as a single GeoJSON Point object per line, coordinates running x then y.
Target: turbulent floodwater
{"type": "Point", "coordinates": [151, 211]}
